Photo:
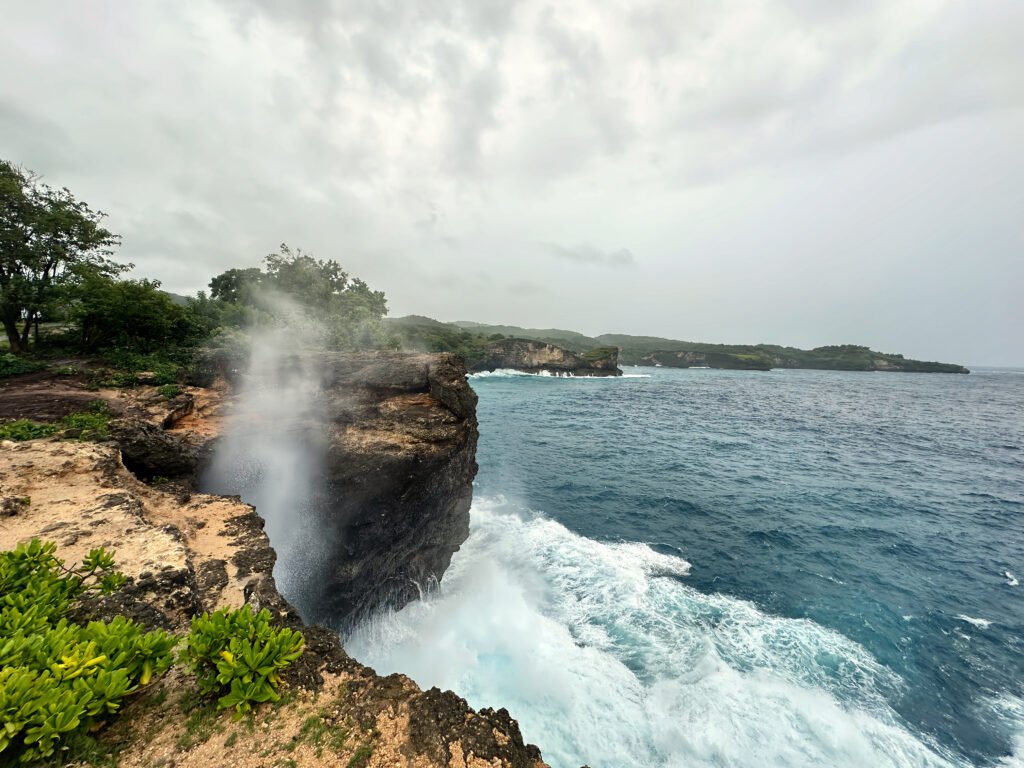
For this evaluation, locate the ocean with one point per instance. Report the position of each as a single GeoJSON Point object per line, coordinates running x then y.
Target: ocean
{"type": "Point", "coordinates": [732, 568]}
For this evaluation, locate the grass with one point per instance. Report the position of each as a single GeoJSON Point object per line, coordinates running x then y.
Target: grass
{"type": "Point", "coordinates": [201, 724]}
{"type": "Point", "coordinates": [361, 757]}
{"type": "Point", "coordinates": [320, 734]}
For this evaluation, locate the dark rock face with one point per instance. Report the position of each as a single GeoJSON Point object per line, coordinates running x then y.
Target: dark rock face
{"type": "Point", "coordinates": [149, 451]}
{"type": "Point", "coordinates": [399, 472]}
{"type": "Point", "coordinates": [537, 356]}
{"type": "Point", "coordinates": [693, 359]}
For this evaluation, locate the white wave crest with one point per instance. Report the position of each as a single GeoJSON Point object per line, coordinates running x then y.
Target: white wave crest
{"type": "Point", "coordinates": [1011, 579]}
{"type": "Point", "coordinates": [980, 623]}
{"type": "Point", "coordinates": [606, 657]}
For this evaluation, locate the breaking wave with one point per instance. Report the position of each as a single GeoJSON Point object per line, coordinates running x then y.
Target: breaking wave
{"type": "Point", "coordinates": [606, 656]}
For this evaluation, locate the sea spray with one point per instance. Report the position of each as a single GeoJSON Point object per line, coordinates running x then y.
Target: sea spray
{"type": "Point", "coordinates": [272, 453]}
{"type": "Point", "coordinates": [606, 656]}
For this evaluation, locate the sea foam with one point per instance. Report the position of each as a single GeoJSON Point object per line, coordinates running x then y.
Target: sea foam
{"type": "Point", "coordinates": [607, 657]}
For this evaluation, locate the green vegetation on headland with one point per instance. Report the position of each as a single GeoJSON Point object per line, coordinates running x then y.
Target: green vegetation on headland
{"type": "Point", "coordinates": [62, 295]}
{"type": "Point", "coordinates": [66, 306]}
{"type": "Point", "coordinates": [417, 332]}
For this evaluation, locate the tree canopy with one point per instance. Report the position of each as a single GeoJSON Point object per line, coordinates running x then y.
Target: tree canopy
{"type": "Point", "coordinates": [46, 235]}
{"type": "Point", "coordinates": [347, 308]}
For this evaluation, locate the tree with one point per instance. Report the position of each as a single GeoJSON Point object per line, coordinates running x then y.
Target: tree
{"type": "Point", "coordinates": [348, 309]}
{"type": "Point", "coordinates": [129, 314]}
{"type": "Point", "coordinates": [237, 286]}
{"type": "Point", "coordinates": [44, 234]}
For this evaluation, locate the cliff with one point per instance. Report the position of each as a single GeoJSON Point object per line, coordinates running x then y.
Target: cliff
{"type": "Point", "coordinates": [691, 359]}
{"type": "Point", "coordinates": [538, 356]}
{"type": "Point", "coordinates": [401, 461]}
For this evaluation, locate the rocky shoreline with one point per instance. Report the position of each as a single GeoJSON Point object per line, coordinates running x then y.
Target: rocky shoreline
{"type": "Point", "coordinates": [401, 459]}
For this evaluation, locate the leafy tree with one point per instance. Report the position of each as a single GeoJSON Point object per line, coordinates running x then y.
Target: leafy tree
{"type": "Point", "coordinates": [350, 311]}
{"type": "Point", "coordinates": [44, 234]}
{"type": "Point", "coordinates": [127, 314]}
{"type": "Point", "coordinates": [237, 285]}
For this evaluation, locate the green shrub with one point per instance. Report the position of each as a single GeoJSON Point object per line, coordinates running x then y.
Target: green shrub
{"type": "Point", "coordinates": [169, 391]}
{"type": "Point", "coordinates": [12, 365]}
{"type": "Point", "coordinates": [91, 424]}
{"type": "Point", "coordinates": [57, 678]}
{"type": "Point", "coordinates": [238, 654]}
{"type": "Point", "coordinates": [24, 429]}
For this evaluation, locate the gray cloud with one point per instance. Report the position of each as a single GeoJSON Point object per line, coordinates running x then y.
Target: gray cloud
{"type": "Point", "coordinates": [588, 254]}
{"type": "Point", "coordinates": [791, 171]}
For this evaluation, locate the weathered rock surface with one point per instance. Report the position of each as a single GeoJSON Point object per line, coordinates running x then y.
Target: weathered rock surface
{"type": "Point", "coordinates": [400, 466]}
{"type": "Point", "coordinates": [184, 553]}
{"type": "Point", "coordinates": [537, 357]}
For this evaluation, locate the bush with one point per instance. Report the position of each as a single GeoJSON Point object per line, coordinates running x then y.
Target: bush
{"type": "Point", "coordinates": [12, 365]}
{"type": "Point", "coordinates": [24, 429]}
{"type": "Point", "coordinates": [58, 679]}
{"type": "Point", "coordinates": [84, 426]}
{"type": "Point", "coordinates": [89, 425]}
{"type": "Point", "coordinates": [240, 655]}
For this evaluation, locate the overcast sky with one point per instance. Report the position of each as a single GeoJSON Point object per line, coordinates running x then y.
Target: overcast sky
{"type": "Point", "coordinates": [802, 172]}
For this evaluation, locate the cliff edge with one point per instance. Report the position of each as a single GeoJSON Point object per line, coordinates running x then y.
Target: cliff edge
{"type": "Point", "coordinates": [541, 357]}
{"type": "Point", "coordinates": [406, 426]}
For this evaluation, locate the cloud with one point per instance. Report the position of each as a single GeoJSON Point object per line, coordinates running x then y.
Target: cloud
{"type": "Point", "coordinates": [793, 140]}
{"type": "Point", "coordinates": [588, 254]}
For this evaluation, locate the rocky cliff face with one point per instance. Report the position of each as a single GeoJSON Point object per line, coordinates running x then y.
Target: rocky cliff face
{"type": "Point", "coordinates": [401, 461]}
{"type": "Point", "coordinates": [538, 357]}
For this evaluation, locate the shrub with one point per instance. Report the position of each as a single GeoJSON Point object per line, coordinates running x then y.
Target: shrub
{"type": "Point", "coordinates": [57, 678]}
{"type": "Point", "coordinates": [24, 429]}
{"type": "Point", "coordinates": [169, 391]}
{"type": "Point", "coordinates": [92, 424]}
{"type": "Point", "coordinates": [240, 655]}
{"type": "Point", "coordinates": [12, 365]}
{"type": "Point", "coordinates": [84, 426]}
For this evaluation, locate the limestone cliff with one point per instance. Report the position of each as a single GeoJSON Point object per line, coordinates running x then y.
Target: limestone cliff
{"type": "Point", "coordinates": [538, 357]}
{"type": "Point", "coordinates": [401, 461]}
{"type": "Point", "coordinates": [400, 466]}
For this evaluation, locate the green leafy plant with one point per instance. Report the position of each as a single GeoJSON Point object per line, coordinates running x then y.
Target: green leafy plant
{"type": "Point", "coordinates": [12, 365]}
{"type": "Point", "coordinates": [169, 391]}
{"type": "Point", "coordinates": [239, 654]}
{"type": "Point", "coordinates": [91, 425]}
{"type": "Point", "coordinates": [58, 678]}
{"type": "Point", "coordinates": [24, 429]}
{"type": "Point", "coordinates": [84, 426]}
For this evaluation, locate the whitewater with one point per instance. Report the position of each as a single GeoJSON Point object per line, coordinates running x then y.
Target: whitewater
{"type": "Point", "coordinates": [731, 569]}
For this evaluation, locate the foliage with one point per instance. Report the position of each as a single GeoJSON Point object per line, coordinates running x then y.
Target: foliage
{"type": "Point", "coordinates": [12, 365]}
{"type": "Point", "coordinates": [161, 368]}
{"type": "Point", "coordinates": [239, 654]}
{"type": "Point", "coordinates": [85, 426]}
{"type": "Point", "coordinates": [169, 391]}
{"type": "Point", "coordinates": [126, 314]}
{"type": "Point", "coordinates": [45, 235]}
{"type": "Point", "coordinates": [20, 430]}
{"type": "Point", "coordinates": [59, 678]}
{"type": "Point", "coordinates": [90, 425]}
{"type": "Point", "coordinates": [292, 282]}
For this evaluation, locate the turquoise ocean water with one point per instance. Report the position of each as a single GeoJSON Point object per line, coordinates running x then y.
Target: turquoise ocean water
{"type": "Point", "coordinates": [717, 568]}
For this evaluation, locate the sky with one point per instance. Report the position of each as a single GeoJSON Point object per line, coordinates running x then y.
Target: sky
{"type": "Point", "coordinates": [802, 172]}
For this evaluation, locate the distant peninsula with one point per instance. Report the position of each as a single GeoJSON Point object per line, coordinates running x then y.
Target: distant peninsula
{"type": "Point", "coordinates": [481, 345]}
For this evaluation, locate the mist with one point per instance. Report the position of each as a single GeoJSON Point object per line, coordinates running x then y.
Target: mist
{"type": "Point", "coordinates": [272, 454]}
